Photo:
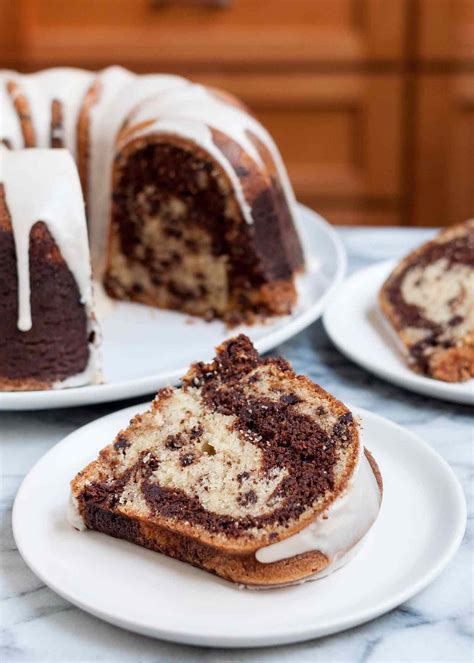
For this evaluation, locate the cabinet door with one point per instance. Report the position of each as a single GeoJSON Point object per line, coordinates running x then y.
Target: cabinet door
{"type": "Point", "coordinates": [10, 33]}
{"type": "Point", "coordinates": [444, 154]}
{"type": "Point", "coordinates": [152, 34]}
{"type": "Point", "coordinates": [446, 30]}
{"type": "Point", "coordinates": [340, 137]}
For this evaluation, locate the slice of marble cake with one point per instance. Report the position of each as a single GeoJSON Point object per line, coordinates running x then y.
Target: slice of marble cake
{"type": "Point", "coordinates": [248, 471]}
{"type": "Point", "coordinates": [429, 301]}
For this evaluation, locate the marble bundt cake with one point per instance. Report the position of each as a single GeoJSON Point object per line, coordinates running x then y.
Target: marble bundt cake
{"type": "Point", "coordinates": [247, 471]}
{"type": "Point", "coordinates": [429, 301]}
{"type": "Point", "coordinates": [189, 204]}
{"type": "Point", "coordinates": [48, 335]}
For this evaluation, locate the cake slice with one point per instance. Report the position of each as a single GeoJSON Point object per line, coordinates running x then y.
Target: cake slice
{"type": "Point", "coordinates": [429, 301]}
{"type": "Point", "coordinates": [247, 471]}
{"type": "Point", "coordinates": [49, 337]}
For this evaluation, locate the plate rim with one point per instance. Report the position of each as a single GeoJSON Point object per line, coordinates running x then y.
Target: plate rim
{"type": "Point", "coordinates": [110, 392]}
{"type": "Point", "coordinates": [408, 380]}
{"type": "Point", "coordinates": [269, 639]}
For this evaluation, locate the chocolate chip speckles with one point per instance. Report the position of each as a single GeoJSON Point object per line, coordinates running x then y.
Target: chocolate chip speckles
{"type": "Point", "coordinates": [429, 301]}
{"type": "Point", "coordinates": [121, 443]}
{"type": "Point", "coordinates": [175, 441]}
{"type": "Point", "coordinates": [247, 498]}
{"type": "Point", "coordinates": [231, 454]}
{"type": "Point", "coordinates": [187, 459]}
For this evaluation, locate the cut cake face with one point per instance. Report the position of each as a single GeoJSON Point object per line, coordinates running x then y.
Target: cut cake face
{"type": "Point", "coordinates": [429, 301]}
{"type": "Point", "coordinates": [244, 455]}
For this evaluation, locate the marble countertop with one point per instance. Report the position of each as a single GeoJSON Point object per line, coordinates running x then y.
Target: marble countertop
{"type": "Point", "coordinates": [436, 625]}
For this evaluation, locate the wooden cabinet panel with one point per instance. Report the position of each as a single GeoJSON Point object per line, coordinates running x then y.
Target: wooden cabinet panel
{"type": "Point", "coordinates": [340, 135]}
{"type": "Point", "coordinates": [446, 30]}
{"type": "Point", "coordinates": [10, 32]}
{"type": "Point", "coordinates": [150, 34]}
{"type": "Point", "coordinates": [444, 158]}
{"type": "Point", "coordinates": [370, 101]}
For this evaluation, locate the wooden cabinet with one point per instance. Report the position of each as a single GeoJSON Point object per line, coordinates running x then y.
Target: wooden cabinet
{"type": "Point", "coordinates": [210, 33]}
{"type": "Point", "coordinates": [446, 31]}
{"type": "Point", "coordinates": [341, 159]}
{"type": "Point", "coordinates": [370, 101]}
{"type": "Point", "coordinates": [444, 165]}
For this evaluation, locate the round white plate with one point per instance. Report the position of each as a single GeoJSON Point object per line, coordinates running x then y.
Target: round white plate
{"type": "Point", "coordinates": [420, 527]}
{"type": "Point", "coordinates": [357, 328]}
{"type": "Point", "coordinates": [146, 348]}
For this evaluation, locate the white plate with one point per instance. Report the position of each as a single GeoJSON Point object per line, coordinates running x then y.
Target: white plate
{"type": "Point", "coordinates": [146, 348]}
{"type": "Point", "coordinates": [355, 325]}
{"type": "Point", "coordinates": [420, 527]}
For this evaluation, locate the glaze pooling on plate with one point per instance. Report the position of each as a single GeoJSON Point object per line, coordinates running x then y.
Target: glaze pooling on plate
{"type": "Point", "coordinates": [67, 85]}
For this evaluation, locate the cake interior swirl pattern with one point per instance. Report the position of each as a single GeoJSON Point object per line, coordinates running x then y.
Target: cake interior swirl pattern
{"type": "Point", "coordinates": [428, 301]}
{"type": "Point", "coordinates": [188, 204]}
{"type": "Point", "coordinates": [247, 471]}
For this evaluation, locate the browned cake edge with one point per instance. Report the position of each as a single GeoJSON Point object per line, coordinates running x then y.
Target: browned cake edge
{"type": "Point", "coordinates": [242, 544]}
{"type": "Point", "coordinates": [23, 110]}
{"type": "Point", "coordinates": [242, 568]}
{"type": "Point", "coordinates": [232, 558]}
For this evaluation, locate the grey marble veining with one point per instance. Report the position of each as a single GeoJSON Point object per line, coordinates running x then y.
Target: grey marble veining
{"type": "Point", "coordinates": [436, 625]}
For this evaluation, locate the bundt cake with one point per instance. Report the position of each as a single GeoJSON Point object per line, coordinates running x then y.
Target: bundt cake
{"type": "Point", "coordinates": [48, 335]}
{"type": "Point", "coordinates": [189, 205]}
{"type": "Point", "coordinates": [429, 302]}
{"type": "Point", "coordinates": [247, 471]}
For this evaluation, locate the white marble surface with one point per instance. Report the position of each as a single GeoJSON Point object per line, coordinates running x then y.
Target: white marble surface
{"type": "Point", "coordinates": [436, 625]}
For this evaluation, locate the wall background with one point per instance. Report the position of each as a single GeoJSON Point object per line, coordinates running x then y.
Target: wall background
{"type": "Point", "coordinates": [370, 101]}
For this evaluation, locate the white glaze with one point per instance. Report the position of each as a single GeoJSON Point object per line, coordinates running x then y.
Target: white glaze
{"type": "Point", "coordinates": [191, 111]}
{"type": "Point", "coordinates": [65, 84]}
{"type": "Point", "coordinates": [74, 518]}
{"type": "Point", "coordinates": [29, 177]}
{"type": "Point", "coordinates": [336, 564]}
{"type": "Point", "coordinates": [171, 104]}
{"type": "Point", "coordinates": [340, 560]}
{"type": "Point", "coordinates": [120, 92]}
{"type": "Point", "coordinates": [344, 524]}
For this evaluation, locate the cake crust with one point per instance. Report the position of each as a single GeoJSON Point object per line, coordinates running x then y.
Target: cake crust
{"type": "Point", "coordinates": [240, 567]}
